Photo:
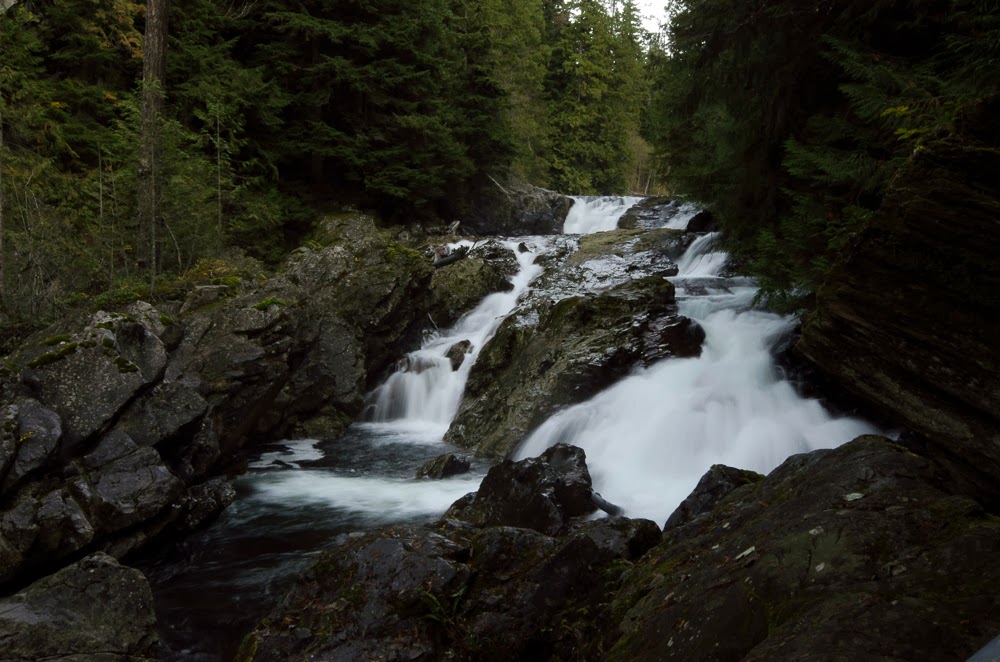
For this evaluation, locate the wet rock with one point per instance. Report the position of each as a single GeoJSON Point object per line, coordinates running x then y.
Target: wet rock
{"type": "Point", "coordinates": [459, 287]}
{"type": "Point", "coordinates": [514, 208]}
{"type": "Point", "coordinates": [88, 378]}
{"type": "Point", "coordinates": [444, 466]}
{"type": "Point", "coordinates": [714, 486]}
{"type": "Point", "coordinates": [789, 567]}
{"type": "Point", "coordinates": [553, 354]}
{"type": "Point", "coordinates": [456, 353]}
{"type": "Point", "coordinates": [703, 221]}
{"type": "Point", "coordinates": [653, 212]}
{"type": "Point", "coordinates": [36, 439]}
{"type": "Point", "coordinates": [541, 493]}
{"type": "Point", "coordinates": [162, 413]}
{"type": "Point", "coordinates": [63, 527]}
{"type": "Point", "coordinates": [204, 502]}
{"type": "Point", "coordinates": [91, 610]}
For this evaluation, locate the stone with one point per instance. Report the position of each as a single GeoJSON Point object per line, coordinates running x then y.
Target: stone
{"type": "Point", "coordinates": [95, 609]}
{"type": "Point", "coordinates": [162, 413]}
{"type": "Point", "coordinates": [203, 295]}
{"type": "Point", "coordinates": [444, 466]}
{"type": "Point", "coordinates": [785, 567]}
{"type": "Point", "coordinates": [714, 486]}
{"type": "Point", "coordinates": [456, 353]}
{"type": "Point", "coordinates": [513, 208]}
{"type": "Point", "coordinates": [703, 221]}
{"type": "Point", "coordinates": [37, 438]}
{"type": "Point", "coordinates": [542, 493]}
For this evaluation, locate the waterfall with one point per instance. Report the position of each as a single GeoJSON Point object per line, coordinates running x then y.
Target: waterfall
{"type": "Point", "coordinates": [651, 436]}
{"type": "Point", "coordinates": [424, 394]}
{"type": "Point", "coordinates": [597, 213]}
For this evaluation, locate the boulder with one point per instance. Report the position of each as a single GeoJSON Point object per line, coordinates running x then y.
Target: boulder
{"type": "Point", "coordinates": [92, 610]}
{"type": "Point", "coordinates": [88, 377]}
{"type": "Point", "coordinates": [36, 438]}
{"type": "Point", "coordinates": [653, 212]}
{"type": "Point", "coordinates": [456, 353]}
{"type": "Point", "coordinates": [459, 287]}
{"type": "Point", "coordinates": [551, 354]}
{"type": "Point", "coordinates": [512, 208]}
{"type": "Point", "coordinates": [542, 493]}
{"type": "Point", "coordinates": [714, 486]}
{"type": "Point", "coordinates": [444, 466]}
{"type": "Point", "coordinates": [703, 221]}
{"type": "Point", "coordinates": [862, 552]}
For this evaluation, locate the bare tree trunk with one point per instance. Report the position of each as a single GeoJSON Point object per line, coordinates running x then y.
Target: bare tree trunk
{"type": "Point", "coordinates": [3, 263]}
{"type": "Point", "coordinates": [154, 64]}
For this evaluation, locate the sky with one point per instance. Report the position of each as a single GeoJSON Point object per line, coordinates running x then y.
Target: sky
{"type": "Point", "coordinates": [652, 13]}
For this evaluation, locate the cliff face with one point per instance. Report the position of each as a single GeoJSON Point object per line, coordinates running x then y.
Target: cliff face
{"type": "Point", "coordinates": [911, 321]}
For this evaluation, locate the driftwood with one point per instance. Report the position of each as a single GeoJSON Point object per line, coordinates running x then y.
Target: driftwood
{"type": "Point", "coordinates": [455, 256]}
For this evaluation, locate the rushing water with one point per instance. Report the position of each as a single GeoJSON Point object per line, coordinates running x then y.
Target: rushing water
{"type": "Point", "coordinates": [651, 436]}
{"type": "Point", "coordinates": [648, 440]}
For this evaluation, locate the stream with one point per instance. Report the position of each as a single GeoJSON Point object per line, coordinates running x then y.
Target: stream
{"type": "Point", "coordinates": [648, 439]}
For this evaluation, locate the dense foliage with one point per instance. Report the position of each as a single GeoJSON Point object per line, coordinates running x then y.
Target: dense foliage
{"type": "Point", "coordinates": [272, 110]}
{"type": "Point", "coordinates": [793, 119]}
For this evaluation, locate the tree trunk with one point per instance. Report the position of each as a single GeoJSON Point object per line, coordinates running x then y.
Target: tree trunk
{"type": "Point", "coordinates": [154, 64]}
{"type": "Point", "coordinates": [3, 263]}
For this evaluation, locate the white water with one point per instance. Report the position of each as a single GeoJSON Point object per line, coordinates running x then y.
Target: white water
{"type": "Point", "coordinates": [425, 397]}
{"type": "Point", "coordinates": [597, 214]}
{"type": "Point", "coordinates": [650, 437]}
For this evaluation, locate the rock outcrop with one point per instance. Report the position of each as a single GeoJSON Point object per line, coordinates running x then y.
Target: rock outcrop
{"type": "Point", "coordinates": [858, 553]}
{"type": "Point", "coordinates": [462, 591]}
{"type": "Point", "coordinates": [512, 208]}
{"type": "Point", "coordinates": [459, 287]}
{"type": "Point", "coordinates": [113, 428]}
{"type": "Point", "coordinates": [592, 318]}
{"type": "Point", "coordinates": [92, 610]}
{"type": "Point", "coordinates": [910, 321]}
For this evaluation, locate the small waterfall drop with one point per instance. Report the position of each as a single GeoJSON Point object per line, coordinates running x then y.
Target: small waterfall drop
{"type": "Point", "coordinates": [651, 436]}
{"type": "Point", "coordinates": [597, 213]}
{"type": "Point", "coordinates": [424, 394]}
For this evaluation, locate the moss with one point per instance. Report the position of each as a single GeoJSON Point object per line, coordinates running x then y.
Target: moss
{"type": "Point", "coordinates": [52, 357]}
{"type": "Point", "coordinates": [107, 326]}
{"type": "Point", "coordinates": [108, 343]}
{"type": "Point", "coordinates": [54, 340]}
{"type": "Point", "coordinates": [228, 281]}
{"type": "Point", "coordinates": [248, 649]}
{"type": "Point", "coordinates": [125, 366]}
{"type": "Point", "coordinates": [268, 302]}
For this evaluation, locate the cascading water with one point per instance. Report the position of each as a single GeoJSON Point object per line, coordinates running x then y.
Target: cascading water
{"type": "Point", "coordinates": [597, 214]}
{"type": "Point", "coordinates": [650, 437]}
{"type": "Point", "coordinates": [426, 392]}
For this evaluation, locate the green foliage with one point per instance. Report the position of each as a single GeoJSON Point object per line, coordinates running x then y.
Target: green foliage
{"type": "Point", "coordinates": [792, 125]}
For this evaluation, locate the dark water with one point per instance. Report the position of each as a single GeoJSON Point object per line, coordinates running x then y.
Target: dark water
{"type": "Point", "coordinates": [215, 585]}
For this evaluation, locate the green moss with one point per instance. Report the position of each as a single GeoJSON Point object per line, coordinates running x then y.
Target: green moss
{"type": "Point", "coordinates": [54, 340]}
{"type": "Point", "coordinates": [248, 649]}
{"type": "Point", "coordinates": [268, 302]}
{"type": "Point", "coordinates": [108, 343]}
{"type": "Point", "coordinates": [166, 320]}
{"type": "Point", "coordinates": [49, 358]}
{"type": "Point", "coordinates": [107, 326]}
{"type": "Point", "coordinates": [125, 366]}
{"type": "Point", "coordinates": [228, 281]}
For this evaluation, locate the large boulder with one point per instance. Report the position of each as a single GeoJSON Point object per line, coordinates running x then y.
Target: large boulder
{"type": "Point", "coordinates": [542, 493]}
{"type": "Point", "coordinates": [909, 322]}
{"type": "Point", "coordinates": [514, 208]}
{"type": "Point", "coordinates": [601, 309]}
{"type": "Point", "coordinates": [858, 553]}
{"type": "Point", "coordinates": [92, 610]}
{"type": "Point", "coordinates": [459, 287]}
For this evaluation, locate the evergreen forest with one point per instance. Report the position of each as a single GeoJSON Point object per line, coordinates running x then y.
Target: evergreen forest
{"type": "Point", "coordinates": [146, 146]}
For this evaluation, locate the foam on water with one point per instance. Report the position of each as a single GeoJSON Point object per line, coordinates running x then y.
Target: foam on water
{"type": "Point", "coordinates": [597, 214]}
{"type": "Point", "coordinates": [651, 436]}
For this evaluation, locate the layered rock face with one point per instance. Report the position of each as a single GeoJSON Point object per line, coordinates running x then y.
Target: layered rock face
{"type": "Point", "coordinates": [911, 321]}
{"type": "Point", "coordinates": [598, 312]}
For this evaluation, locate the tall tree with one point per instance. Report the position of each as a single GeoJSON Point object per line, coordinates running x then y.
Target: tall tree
{"type": "Point", "coordinates": [154, 65]}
